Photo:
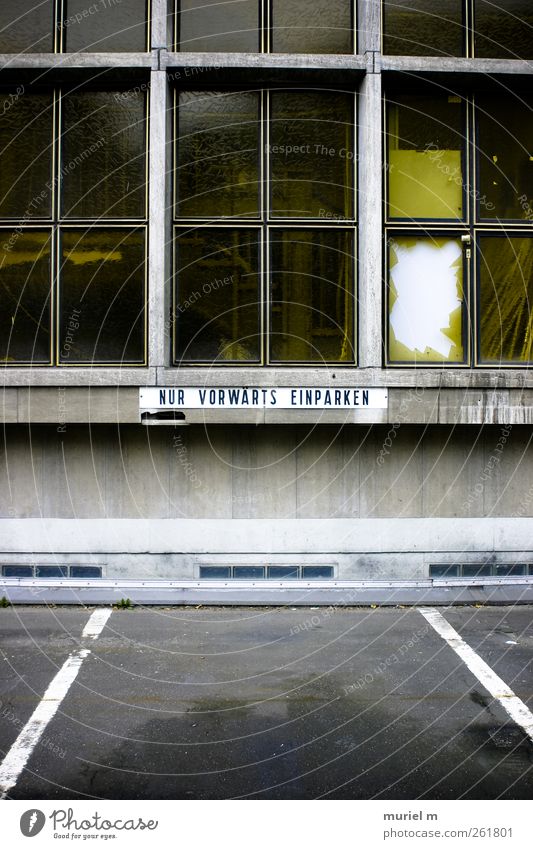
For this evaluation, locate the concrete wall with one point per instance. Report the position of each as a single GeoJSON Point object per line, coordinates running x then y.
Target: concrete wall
{"type": "Point", "coordinates": [373, 501]}
{"type": "Point", "coordinates": [246, 472]}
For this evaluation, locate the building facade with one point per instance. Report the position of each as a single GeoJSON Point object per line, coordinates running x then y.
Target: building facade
{"type": "Point", "coordinates": [265, 275]}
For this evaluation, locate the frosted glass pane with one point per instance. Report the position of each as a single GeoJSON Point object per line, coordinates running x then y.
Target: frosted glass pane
{"type": "Point", "coordinates": [503, 29]}
{"type": "Point", "coordinates": [312, 295]}
{"type": "Point", "coordinates": [220, 27]}
{"type": "Point", "coordinates": [218, 154]}
{"type": "Point", "coordinates": [425, 300]}
{"type": "Point", "coordinates": [312, 155]}
{"type": "Point", "coordinates": [103, 147]}
{"type": "Point", "coordinates": [26, 26]}
{"type": "Point", "coordinates": [26, 183]}
{"type": "Point", "coordinates": [323, 26]}
{"type": "Point", "coordinates": [111, 26]}
{"type": "Point", "coordinates": [423, 27]}
{"type": "Point", "coordinates": [217, 295]}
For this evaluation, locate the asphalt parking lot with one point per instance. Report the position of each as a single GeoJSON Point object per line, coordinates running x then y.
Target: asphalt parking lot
{"type": "Point", "coordinates": [265, 703]}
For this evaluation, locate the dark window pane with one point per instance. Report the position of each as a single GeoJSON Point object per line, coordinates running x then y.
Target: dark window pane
{"type": "Point", "coordinates": [506, 298]}
{"type": "Point", "coordinates": [111, 26]}
{"type": "Point", "coordinates": [103, 167]}
{"type": "Point", "coordinates": [26, 26]}
{"type": "Point", "coordinates": [511, 570]}
{"type": "Point", "coordinates": [312, 295]}
{"type": "Point", "coordinates": [505, 155]}
{"type": "Point", "coordinates": [221, 27]}
{"type": "Point", "coordinates": [248, 572]}
{"type": "Point", "coordinates": [17, 571]}
{"type": "Point", "coordinates": [426, 300]}
{"type": "Point", "coordinates": [317, 572]}
{"type": "Point", "coordinates": [283, 573]}
{"type": "Point", "coordinates": [51, 572]}
{"type": "Point", "coordinates": [477, 571]}
{"type": "Point", "coordinates": [102, 296]}
{"type": "Point", "coordinates": [503, 29]}
{"type": "Point", "coordinates": [218, 155]}
{"type": "Point", "coordinates": [312, 155]}
{"type": "Point", "coordinates": [26, 122]}
{"type": "Point", "coordinates": [425, 138]}
{"type": "Point", "coordinates": [85, 571]}
{"type": "Point", "coordinates": [215, 572]}
{"type": "Point", "coordinates": [423, 28]}
{"type": "Point", "coordinates": [216, 310]}
{"type": "Point", "coordinates": [25, 285]}
{"type": "Point", "coordinates": [323, 26]}
{"type": "Point", "coordinates": [443, 571]}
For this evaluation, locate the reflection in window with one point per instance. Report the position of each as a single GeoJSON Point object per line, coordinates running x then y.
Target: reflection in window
{"type": "Point", "coordinates": [217, 297]}
{"type": "Point", "coordinates": [323, 26]}
{"type": "Point", "coordinates": [113, 27]}
{"type": "Point", "coordinates": [26, 146]}
{"type": "Point", "coordinates": [312, 295]}
{"type": "Point", "coordinates": [505, 154]}
{"type": "Point", "coordinates": [218, 155]}
{"type": "Point", "coordinates": [312, 155]}
{"type": "Point", "coordinates": [25, 281]}
{"type": "Point", "coordinates": [425, 146]}
{"type": "Point", "coordinates": [506, 298]}
{"type": "Point", "coordinates": [103, 165]}
{"type": "Point", "coordinates": [102, 296]}
{"type": "Point", "coordinates": [423, 27]}
{"type": "Point", "coordinates": [503, 29]}
{"type": "Point", "coordinates": [249, 572]}
{"type": "Point", "coordinates": [425, 300]}
{"type": "Point", "coordinates": [229, 26]}
{"type": "Point", "coordinates": [26, 26]}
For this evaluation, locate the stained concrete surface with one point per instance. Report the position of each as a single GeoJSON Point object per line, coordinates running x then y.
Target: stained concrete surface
{"type": "Point", "coordinates": [270, 703]}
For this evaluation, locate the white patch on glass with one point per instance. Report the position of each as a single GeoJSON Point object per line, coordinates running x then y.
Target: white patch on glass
{"type": "Point", "coordinates": [425, 278]}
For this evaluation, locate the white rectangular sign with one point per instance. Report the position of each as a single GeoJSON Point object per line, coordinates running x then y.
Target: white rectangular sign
{"type": "Point", "coordinates": [246, 398]}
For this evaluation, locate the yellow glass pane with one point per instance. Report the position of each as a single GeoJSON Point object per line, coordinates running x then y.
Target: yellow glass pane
{"type": "Point", "coordinates": [425, 164]}
{"type": "Point", "coordinates": [506, 298]}
{"type": "Point", "coordinates": [425, 300]}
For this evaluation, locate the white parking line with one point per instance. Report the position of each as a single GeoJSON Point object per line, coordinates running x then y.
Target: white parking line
{"type": "Point", "coordinates": [19, 753]}
{"type": "Point", "coordinates": [515, 707]}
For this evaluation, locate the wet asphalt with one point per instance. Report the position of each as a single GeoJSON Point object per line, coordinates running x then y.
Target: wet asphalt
{"type": "Point", "coordinates": [269, 703]}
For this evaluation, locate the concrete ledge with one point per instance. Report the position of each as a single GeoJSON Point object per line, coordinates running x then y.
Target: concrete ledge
{"type": "Point", "coordinates": [290, 536]}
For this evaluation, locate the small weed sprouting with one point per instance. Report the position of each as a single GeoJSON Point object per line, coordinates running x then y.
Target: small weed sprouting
{"type": "Point", "coordinates": [124, 604]}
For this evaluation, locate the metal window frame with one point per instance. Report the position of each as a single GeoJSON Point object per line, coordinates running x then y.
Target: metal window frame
{"type": "Point", "coordinates": [472, 226]}
{"type": "Point", "coordinates": [55, 224]}
{"type": "Point", "coordinates": [265, 223]}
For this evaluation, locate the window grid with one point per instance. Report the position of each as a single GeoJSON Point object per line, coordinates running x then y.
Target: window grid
{"type": "Point", "coordinates": [57, 225]}
{"type": "Point", "coordinates": [267, 224]}
{"type": "Point", "coordinates": [268, 573]}
{"type": "Point", "coordinates": [469, 230]}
